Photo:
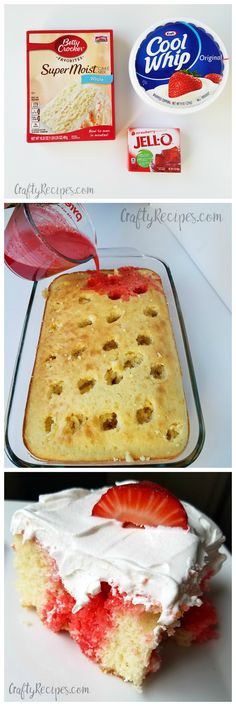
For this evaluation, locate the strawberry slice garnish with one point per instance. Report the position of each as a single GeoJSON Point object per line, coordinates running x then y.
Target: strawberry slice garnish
{"type": "Point", "coordinates": [216, 78]}
{"type": "Point", "coordinates": [141, 504]}
{"type": "Point", "coordinates": [182, 82]}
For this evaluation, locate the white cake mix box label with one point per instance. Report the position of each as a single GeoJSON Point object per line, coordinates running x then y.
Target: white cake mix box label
{"type": "Point", "coordinates": [179, 65]}
{"type": "Point", "coordinates": [70, 85]}
{"type": "Point", "coordinates": [154, 150]}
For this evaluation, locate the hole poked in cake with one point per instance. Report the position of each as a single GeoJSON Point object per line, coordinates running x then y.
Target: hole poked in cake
{"type": "Point", "coordinates": [113, 316]}
{"type": "Point", "coordinates": [114, 295]}
{"type": "Point", "coordinates": [132, 360]}
{"type": "Point", "coordinates": [85, 322]}
{"type": "Point", "coordinates": [144, 414]}
{"type": "Point", "coordinates": [48, 424]}
{"type": "Point", "coordinates": [158, 371]}
{"type": "Point", "coordinates": [50, 359]}
{"type": "Point", "coordinates": [112, 377]}
{"type": "Point", "coordinates": [73, 423]}
{"type": "Point", "coordinates": [141, 289]}
{"type": "Point", "coordinates": [108, 421]}
{"type": "Point", "coordinates": [110, 345]}
{"type": "Point", "coordinates": [85, 385]}
{"type": "Point", "coordinates": [59, 306]}
{"type": "Point", "coordinates": [54, 326]}
{"type": "Point", "coordinates": [56, 388]}
{"type": "Point", "coordinates": [77, 352]}
{"type": "Point", "coordinates": [173, 432]}
{"type": "Point", "coordinates": [143, 340]}
{"type": "Point", "coordinates": [84, 300]}
{"type": "Point", "coordinates": [150, 311]}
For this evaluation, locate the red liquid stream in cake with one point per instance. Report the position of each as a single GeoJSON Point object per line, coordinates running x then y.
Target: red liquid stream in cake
{"type": "Point", "coordinates": [32, 258]}
{"type": "Point", "coordinates": [128, 282]}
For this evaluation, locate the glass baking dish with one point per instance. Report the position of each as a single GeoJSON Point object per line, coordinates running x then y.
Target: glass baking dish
{"type": "Point", "coordinates": [109, 258]}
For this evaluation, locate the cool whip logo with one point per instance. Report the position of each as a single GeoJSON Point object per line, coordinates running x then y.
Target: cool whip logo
{"type": "Point", "coordinates": [166, 52]}
{"type": "Point", "coordinates": [166, 49]}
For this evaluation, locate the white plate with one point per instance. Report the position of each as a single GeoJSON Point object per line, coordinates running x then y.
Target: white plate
{"type": "Point", "coordinates": [35, 655]}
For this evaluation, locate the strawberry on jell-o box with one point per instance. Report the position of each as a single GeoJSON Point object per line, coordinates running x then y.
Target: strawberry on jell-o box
{"type": "Point", "coordinates": [154, 150]}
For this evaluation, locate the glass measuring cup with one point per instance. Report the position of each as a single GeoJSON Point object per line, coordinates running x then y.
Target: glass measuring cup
{"type": "Point", "coordinates": [44, 239]}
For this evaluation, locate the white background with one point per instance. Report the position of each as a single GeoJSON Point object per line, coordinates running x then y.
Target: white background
{"type": "Point", "coordinates": [205, 303]}
{"type": "Point", "coordinates": [206, 135]}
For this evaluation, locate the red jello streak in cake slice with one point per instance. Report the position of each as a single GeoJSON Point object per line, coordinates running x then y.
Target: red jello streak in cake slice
{"type": "Point", "coordinates": [128, 282]}
{"type": "Point", "coordinates": [89, 625]}
{"type": "Point", "coordinates": [204, 584]}
{"type": "Point", "coordinates": [201, 622]}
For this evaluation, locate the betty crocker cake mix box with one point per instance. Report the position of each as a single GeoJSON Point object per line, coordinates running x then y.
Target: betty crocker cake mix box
{"type": "Point", "coordinates": [70, 85]}
{"type": "Point", "coordinates": [154, 150]}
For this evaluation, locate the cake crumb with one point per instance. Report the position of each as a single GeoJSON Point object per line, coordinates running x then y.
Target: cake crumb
{"type": "Point", "coordinates": [128, 457]}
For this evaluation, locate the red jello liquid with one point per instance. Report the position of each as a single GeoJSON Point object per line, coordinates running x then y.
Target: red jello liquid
{"type": "Point", "coordinates": [128, 282]}
{"type": "Point", "coordinates": [57, 246]}
{"type": "Point", "coordinates": [201, 622]}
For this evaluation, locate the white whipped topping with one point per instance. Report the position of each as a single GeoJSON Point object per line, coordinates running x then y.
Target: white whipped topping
{"type": "Point", "coordinates": [154, 565]}
{"type": "Point", "coordinates": [190, 98]}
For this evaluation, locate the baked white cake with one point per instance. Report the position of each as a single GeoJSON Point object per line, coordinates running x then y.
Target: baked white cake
{"type": "Point", "coordinates": [106, 384]}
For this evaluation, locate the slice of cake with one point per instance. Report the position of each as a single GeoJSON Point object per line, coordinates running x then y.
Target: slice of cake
{"type": "Point", "coordinates": [106, 384]}
{"type": "Point", "coordinates": [120, 569]}
{"type": "Point", "coordinates": [76, 107]}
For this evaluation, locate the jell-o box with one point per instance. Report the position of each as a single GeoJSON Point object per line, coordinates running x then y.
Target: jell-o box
{"type": "Point", "coordinates": [154, 150]}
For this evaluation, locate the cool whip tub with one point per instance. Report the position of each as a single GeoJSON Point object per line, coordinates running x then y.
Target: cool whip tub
{"type": "Point", "coordinates": [179, 66]}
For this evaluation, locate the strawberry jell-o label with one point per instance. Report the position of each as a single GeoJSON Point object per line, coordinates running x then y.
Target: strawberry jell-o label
{"type": "Point", "coordinates": [179, 66]}
{"type": "Point", "coordinates": [154, 150]}
{"type": "Point", "coordinates": [70, 86]}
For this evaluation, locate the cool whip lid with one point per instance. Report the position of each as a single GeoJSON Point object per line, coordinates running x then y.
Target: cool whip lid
{"type": "Point", "coordinates": [179, 66]}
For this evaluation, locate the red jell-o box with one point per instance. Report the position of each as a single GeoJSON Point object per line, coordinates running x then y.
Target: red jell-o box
{"type": "Point", "coordinates": [154, 150]}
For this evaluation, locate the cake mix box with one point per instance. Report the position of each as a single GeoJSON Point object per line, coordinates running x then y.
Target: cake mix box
{"type": "Point", "coordinates": [70, 85]}
{"type": "Point", "coordinates": [154, 150]}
